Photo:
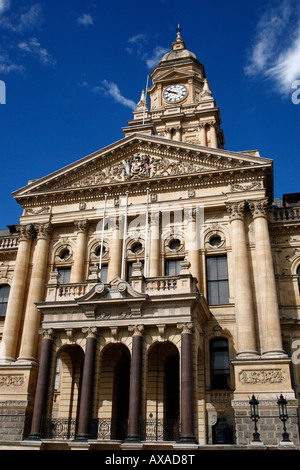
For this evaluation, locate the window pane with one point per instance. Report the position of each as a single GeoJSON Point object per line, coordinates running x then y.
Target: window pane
{"type": "Point", "coordinates": [104, 271]}
{"type": "Point", "coordinates": [222, 267]}
{"type": "Point", "coordinates": [217, 280]}
{"type": "Point", "coordinates": [223, 292]}
{"type": "Point", "coordinates": [211, 269]}
{"type": "Point", "coordinates": [4, 294]}
{"type": "Point", "coordinates": [65, 275]}
{"type": "Point", "coordinates": [173, 267]}
{"type": "Point", "coordinates": [212, 291]}
{"type": "Point", "coordinates": [219, 362]}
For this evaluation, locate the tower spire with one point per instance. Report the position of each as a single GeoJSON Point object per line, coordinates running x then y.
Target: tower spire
{"type": "Point", "coordinates": [179, 43]}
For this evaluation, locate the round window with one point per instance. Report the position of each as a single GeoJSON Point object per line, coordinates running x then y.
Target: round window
{"type": "Point", "coordinates": [215, 241]}
{"type": "Point", "coordinates": [175, 245]}
{"type": "Point", "coordinates": [137, 248]}
{"type": "Point", "coordinates": [98, 250]}
{"type": "Point", "coordinates": [64, 254]}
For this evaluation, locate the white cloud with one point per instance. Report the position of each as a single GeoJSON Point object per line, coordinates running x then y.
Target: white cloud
{"type": "Point", "coordinates": [275, 54]}
{"type": "Point", "coordinates": [137, 44]}
{"type": "Point", "coordinates": [16, 23]}
{"type": "Point", "coordinates": [85, 19]}
{"type": "Point", "coordinates": [156, 56]}
{"type": "Point", "coordinates": [112, 90]}
{"type": "Point", "coordinates": [33, 47]}
{"type": "Point", "coordinates": [7, 66]}
{"type": "Point", "coordinates": [4, 5]}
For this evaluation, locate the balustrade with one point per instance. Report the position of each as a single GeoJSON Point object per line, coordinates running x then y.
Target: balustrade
{"type": "Point", "coordinates": [8, 243]}
{"type": "Point", "coordinates": [285, 214]}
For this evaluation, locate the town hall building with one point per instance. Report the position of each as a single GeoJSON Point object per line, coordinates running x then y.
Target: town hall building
{"type": "Point", "coordinates": [149, 295]}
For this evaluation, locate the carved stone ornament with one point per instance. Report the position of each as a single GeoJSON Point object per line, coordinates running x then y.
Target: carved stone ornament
{"type": "Point", "coordinates": [26, 232]}
{"type": "Point", "coordinates": [12, 380]}
{"type": "Point", "coordinates": [262, 376]}
{"type": "Point", "coordinates": [44, 231]}
{"type": "Point", "coordinates": [186, 328]}
{"type": "Point", "coordinates": [259, 208]}
{"type": "Point", "coordinates": [136, 330]}
{"type": "Point", "coordinates": [236, 210]}
{"type": "Point", "coordinates": [246, 187]}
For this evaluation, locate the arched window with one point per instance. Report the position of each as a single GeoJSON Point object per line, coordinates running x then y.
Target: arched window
{"type": "Point", "coordinates": [4, 294]}
{"type": "Point", "coordinates": [219, 364]}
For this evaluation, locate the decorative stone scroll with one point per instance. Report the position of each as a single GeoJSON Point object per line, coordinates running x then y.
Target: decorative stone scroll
{"type": "Point", "coordinates": [262, 376]}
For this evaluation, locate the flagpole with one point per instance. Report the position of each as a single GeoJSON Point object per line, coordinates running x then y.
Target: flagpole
{"type": "Point", "coordinates": [145, 99]}
{"type": "Point", "coordinates": [102, 237]}
{"type": "Point", "coordinates": [146, 234]}
{"type": "Point", "coordinates": [124, 238]}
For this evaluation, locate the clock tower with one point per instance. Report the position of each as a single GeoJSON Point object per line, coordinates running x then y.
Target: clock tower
{"type": "Point", "coordinates": [182, 107]}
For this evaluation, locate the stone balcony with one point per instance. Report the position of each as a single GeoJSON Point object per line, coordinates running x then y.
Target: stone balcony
{"type": "Point", "coordinates": [153, 286]}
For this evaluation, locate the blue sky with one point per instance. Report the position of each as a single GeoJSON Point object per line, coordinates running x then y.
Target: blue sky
{"type": "Point", "coordinates": [73, 71]}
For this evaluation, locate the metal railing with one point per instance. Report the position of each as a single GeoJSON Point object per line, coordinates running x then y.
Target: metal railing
{"type": "Point", "coordinates": [106, 429]}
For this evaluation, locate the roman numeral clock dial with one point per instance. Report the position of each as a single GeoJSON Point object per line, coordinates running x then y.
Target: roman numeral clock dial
{"type": "Point", "coordinates": [175, 93]}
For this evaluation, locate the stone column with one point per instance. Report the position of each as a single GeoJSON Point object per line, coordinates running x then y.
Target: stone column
{"type": "Point", "coordinates": [42, 385]}
{"type": "Point", "coordinates": [187, 396]}
{"type": "Point", "coordinates": [192, 242]}
{"type": "Point", "coordinates": [271, 340]}
{"type": "Point", "coordinates": [213, 135]}
{"type": "Point", "coordinates": [36, 294]}
{"type": "Point", "coordinates": [17, 293]}
{"type": "Point", "coordinates": [115, 252]}
{"type": "Point", "coordinates": [203, 137]}
{"type": "Point", "coordinates": [243, 295]}
{"type": "Point", "coordinates": [135, 390]}
{"type": "Point", "coordinates": [154, 254]}
{"type": "Point", "coordinates": [78, 269]}
{"type": "Point", "coordinates": [86, 397]}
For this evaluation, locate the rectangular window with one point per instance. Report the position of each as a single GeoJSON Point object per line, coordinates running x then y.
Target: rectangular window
{"type": "Point", "coordinates": [65, 275]}
{"type": "Point", "coordinates": [217, 280]}
{"type": "Point", "coordinates": [173, 267]}
{"type": "Point", "coordinates": [104, 271]}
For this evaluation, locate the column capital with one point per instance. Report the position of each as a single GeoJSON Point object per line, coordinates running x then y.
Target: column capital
{"type": "Point", "coordinates": [44, 231]}
{"type": "Point", "coordinates": [137, 330]}
{"type": "Point", "coordinates": [186, 328]}
{"type": "Point", "coordinates": [236, 210]}
{"type": "Point", "coordinates": [26, 232]}
{"type": "Point", "coordinates": [259, 208]}
{"type": "Point", "coordinates": [47, 334]}
{"type": "Point", "coordinates": [90, 332]}
{"type": "Point", "coordinates": [81, 225]}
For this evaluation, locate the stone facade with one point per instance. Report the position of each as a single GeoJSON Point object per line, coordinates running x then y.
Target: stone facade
{"type": "Point", "coordinates": [154, 288]}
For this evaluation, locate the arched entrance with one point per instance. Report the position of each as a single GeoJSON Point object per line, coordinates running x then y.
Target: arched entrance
{"type": "Point", "coordinates": [114, 392]}
{"type": "Point", "coordinates": [162, 394]}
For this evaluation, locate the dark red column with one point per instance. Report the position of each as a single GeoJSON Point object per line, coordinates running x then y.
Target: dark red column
{"type": "Point", "coordinates": [86, 397]}
{"type": "Point", "coordinates": [135, 390]}
{"type": "Point", "coordinates": [187, 399]}
{"type": "Point", "coordinates": [42, 385]}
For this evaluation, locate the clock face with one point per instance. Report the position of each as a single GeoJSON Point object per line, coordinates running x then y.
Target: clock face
{"type": "Point", "coordinates": [174, 93]}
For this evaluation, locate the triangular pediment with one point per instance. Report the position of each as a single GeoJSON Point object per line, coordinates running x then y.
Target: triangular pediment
{"type": "Point", "coordinates": [139, 158]}
{"type": "Point", "coordinates": [175, 74]}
